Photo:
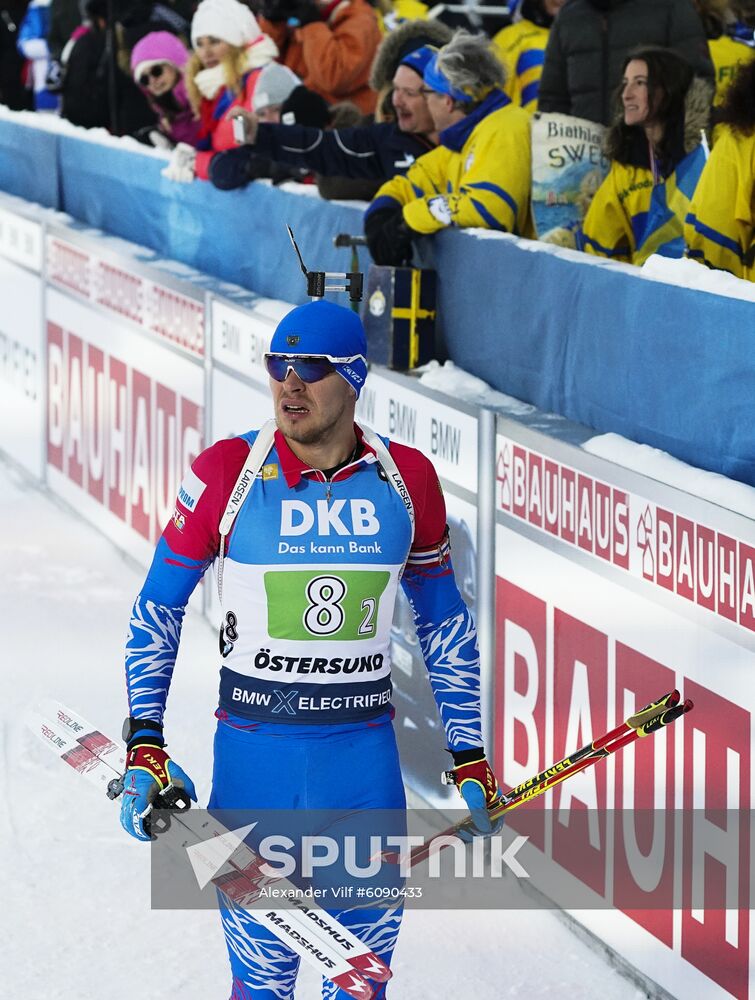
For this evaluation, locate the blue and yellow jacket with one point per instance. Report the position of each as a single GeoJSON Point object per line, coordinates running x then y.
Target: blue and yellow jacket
{"type": "Point", "coordinates": [640, 210]}
{"type": "Point", "coordinates": [720, 227]}
{"type": "Point", "coordinates": [399, 13]}
{"type": "Point", "coordinates": [728, 54]}
{"type": "Point", "coordinates": [521, 47]}
{"type": "Point", "coordinates": [479, 175]}
{"type": "Point", "coordinates": [631, 217]}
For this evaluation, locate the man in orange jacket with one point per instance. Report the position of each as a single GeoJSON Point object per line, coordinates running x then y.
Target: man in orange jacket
{"type": "Point", "coordinates": [329, 44]}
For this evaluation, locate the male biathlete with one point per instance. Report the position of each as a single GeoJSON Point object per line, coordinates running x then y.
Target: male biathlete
{"type": "Point", "coordinates": [315, 521]}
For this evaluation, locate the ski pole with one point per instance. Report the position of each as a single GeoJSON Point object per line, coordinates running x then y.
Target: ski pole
{"type": "Point", "coordinates": [648, 720]}
{"type": "Point", "coordinates": [634, 724]}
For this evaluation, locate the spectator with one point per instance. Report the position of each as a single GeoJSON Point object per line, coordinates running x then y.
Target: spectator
{"type": "Point", "coordinates": [657, 156]}
{"type": "Point", "coordinates": [590, 39]}
{"type": "Point", "coordinates": [729, 30]}
{"type": "Point", "coordinates": [331, 46]}
{"type": "Point", "coordinates": [480, 173]}
{"type": "Point", "coordinates": [476, 18]}
{"type": "Point", "coordinates": [720, 226]}
{"type": "Point", "coordinates": [278, 94]}
{"type": "Point", "coordinates": [345, 116]}
{"type": "Point", "coordinates": [302, 107]}
{"type": "Point", "coordinates": [135, 19]}
{"type": "Point", "coordinates": [406, 38]}
{"type": "Point", "coordinates": [522, 49]}
{"type": "Point", "coordinates": [138, 18]}
{"type": "Point", "coordinates": [65, 17]}
{"type": "Point", "coordinates": [393, 13]}
{"type": "Point", "coordinates": [229, 53]}
{"type": "Point", "coordinates": [157, 65]}
{"type": "Point", "coordinates": [13, 93]}
{"type": "Point", "coordinates": [376, 151]}
{"type": "Point", "coordinates": [86, 93]}
{"type": "Point", "coordinates": [32, 44]}
{"type": "Point", "coordinates": [275, 85]}
{"type": "Point", "coordinates": [184, 8]}
{"type": "Point", "coordinates": [237, 167]}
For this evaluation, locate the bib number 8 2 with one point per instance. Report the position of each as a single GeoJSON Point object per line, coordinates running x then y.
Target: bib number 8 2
{"type": "Point", "coordinates": [329, 604]}
{"type": "Point", "coordinates": [324, 614]}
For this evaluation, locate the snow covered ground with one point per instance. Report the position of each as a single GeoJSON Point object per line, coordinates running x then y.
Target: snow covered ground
{"type": "Point", "coordinates": [75, 918]}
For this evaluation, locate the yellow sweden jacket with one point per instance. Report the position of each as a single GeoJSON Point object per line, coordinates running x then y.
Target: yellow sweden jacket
{"type": "Point", "coordinates": [720, 228]}
{"type": "Point", "coordinates": [631, 218]}
{"type": "Point", "coordinates": [728, 54]}
{"type": "Point", "coordinates": [478, 176]}
{"type": "Point", "coordinates": [521, 47]}
{"type": "Point", "coordinates": [607, 230]}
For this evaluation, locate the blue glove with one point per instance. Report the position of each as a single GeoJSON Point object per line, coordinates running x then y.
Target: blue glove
{"type": "Point", "coordinates": [150, 772]}
{"type": "Point", "coordinates": [478, 787]}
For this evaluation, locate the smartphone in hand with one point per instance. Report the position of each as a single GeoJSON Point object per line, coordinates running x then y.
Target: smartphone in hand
{"type": "Point", "coordinates": [239, 130]}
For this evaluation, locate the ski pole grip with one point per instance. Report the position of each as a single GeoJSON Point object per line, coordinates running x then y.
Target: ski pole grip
{"type": "Point", "coordinates": [173, 798]}
{"type": "Point", "coordinates": [664, 718]}
{"type": "Point", "coordinates": [114, 787]}
{"type": "Point", "coordinates": [447, 778]}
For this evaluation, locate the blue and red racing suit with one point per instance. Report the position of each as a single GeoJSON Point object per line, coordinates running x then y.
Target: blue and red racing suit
{"type": "Point", "coordinates": [310, 577]}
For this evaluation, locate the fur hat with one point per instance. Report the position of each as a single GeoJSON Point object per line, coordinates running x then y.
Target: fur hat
{"type": "Point", "coordinates": [228, 20]}
{"type": "Point", "coordinates": [398, 44]}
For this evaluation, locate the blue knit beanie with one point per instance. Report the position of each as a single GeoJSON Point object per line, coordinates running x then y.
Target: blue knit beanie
{"type": "Point", "coordinates": [323, 328]}
{"type": "Point", "coordinates": [418, 59]}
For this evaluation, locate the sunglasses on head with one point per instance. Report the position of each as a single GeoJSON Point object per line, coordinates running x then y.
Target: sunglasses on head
{"type": "Point", "coordinates": [308, 369]}
{"type": "Point", "coordinates": [154, 72]}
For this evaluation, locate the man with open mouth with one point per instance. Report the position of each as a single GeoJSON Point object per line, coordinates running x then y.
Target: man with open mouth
{"type": "Point", "coordinates": [315, 521]}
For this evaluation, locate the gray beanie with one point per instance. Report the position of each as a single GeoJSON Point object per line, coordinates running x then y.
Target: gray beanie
{"type": "Point", "coordinates": [274, 85]}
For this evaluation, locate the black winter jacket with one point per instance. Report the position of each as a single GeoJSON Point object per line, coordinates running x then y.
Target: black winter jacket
{"type": "Point", "coordinates": [376, 152]}
{"type": "Point", "coordinates": [85, 90]}
{"type": "Point", "coordinates": [12, 91]}
{"type": "Point", "coordinates": [590, 39]}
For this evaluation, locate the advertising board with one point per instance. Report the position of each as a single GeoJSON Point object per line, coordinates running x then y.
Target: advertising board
{"type": "Point", "coordinates": [611, 590]}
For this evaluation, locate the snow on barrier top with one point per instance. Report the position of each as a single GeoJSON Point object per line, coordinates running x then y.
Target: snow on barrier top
{"type": "Point", "coordinates": [659, 363]}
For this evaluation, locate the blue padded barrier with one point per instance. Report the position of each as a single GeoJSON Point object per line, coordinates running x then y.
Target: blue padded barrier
{"type": "Point", "coordinates": [663, 365]}
{"type": "Point", "coordinates": [239, 236]}
{"type": "Point", "coordinates": [660, 364]}
{"type": "Point", "coordinates": [29, 161]}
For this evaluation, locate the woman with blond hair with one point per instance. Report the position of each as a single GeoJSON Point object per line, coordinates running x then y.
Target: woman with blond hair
{"type": "Point", "coordinates": [229, 53]}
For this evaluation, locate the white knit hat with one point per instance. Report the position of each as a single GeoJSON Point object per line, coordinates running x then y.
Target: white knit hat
{"type": "Point", "coordinates": [228, 20]}
{"type": "Point", "coordinates": [274, 85]}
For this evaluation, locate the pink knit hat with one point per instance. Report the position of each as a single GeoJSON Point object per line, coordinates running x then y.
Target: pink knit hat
{"type": "Point", "coordinates": [158, 47]}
